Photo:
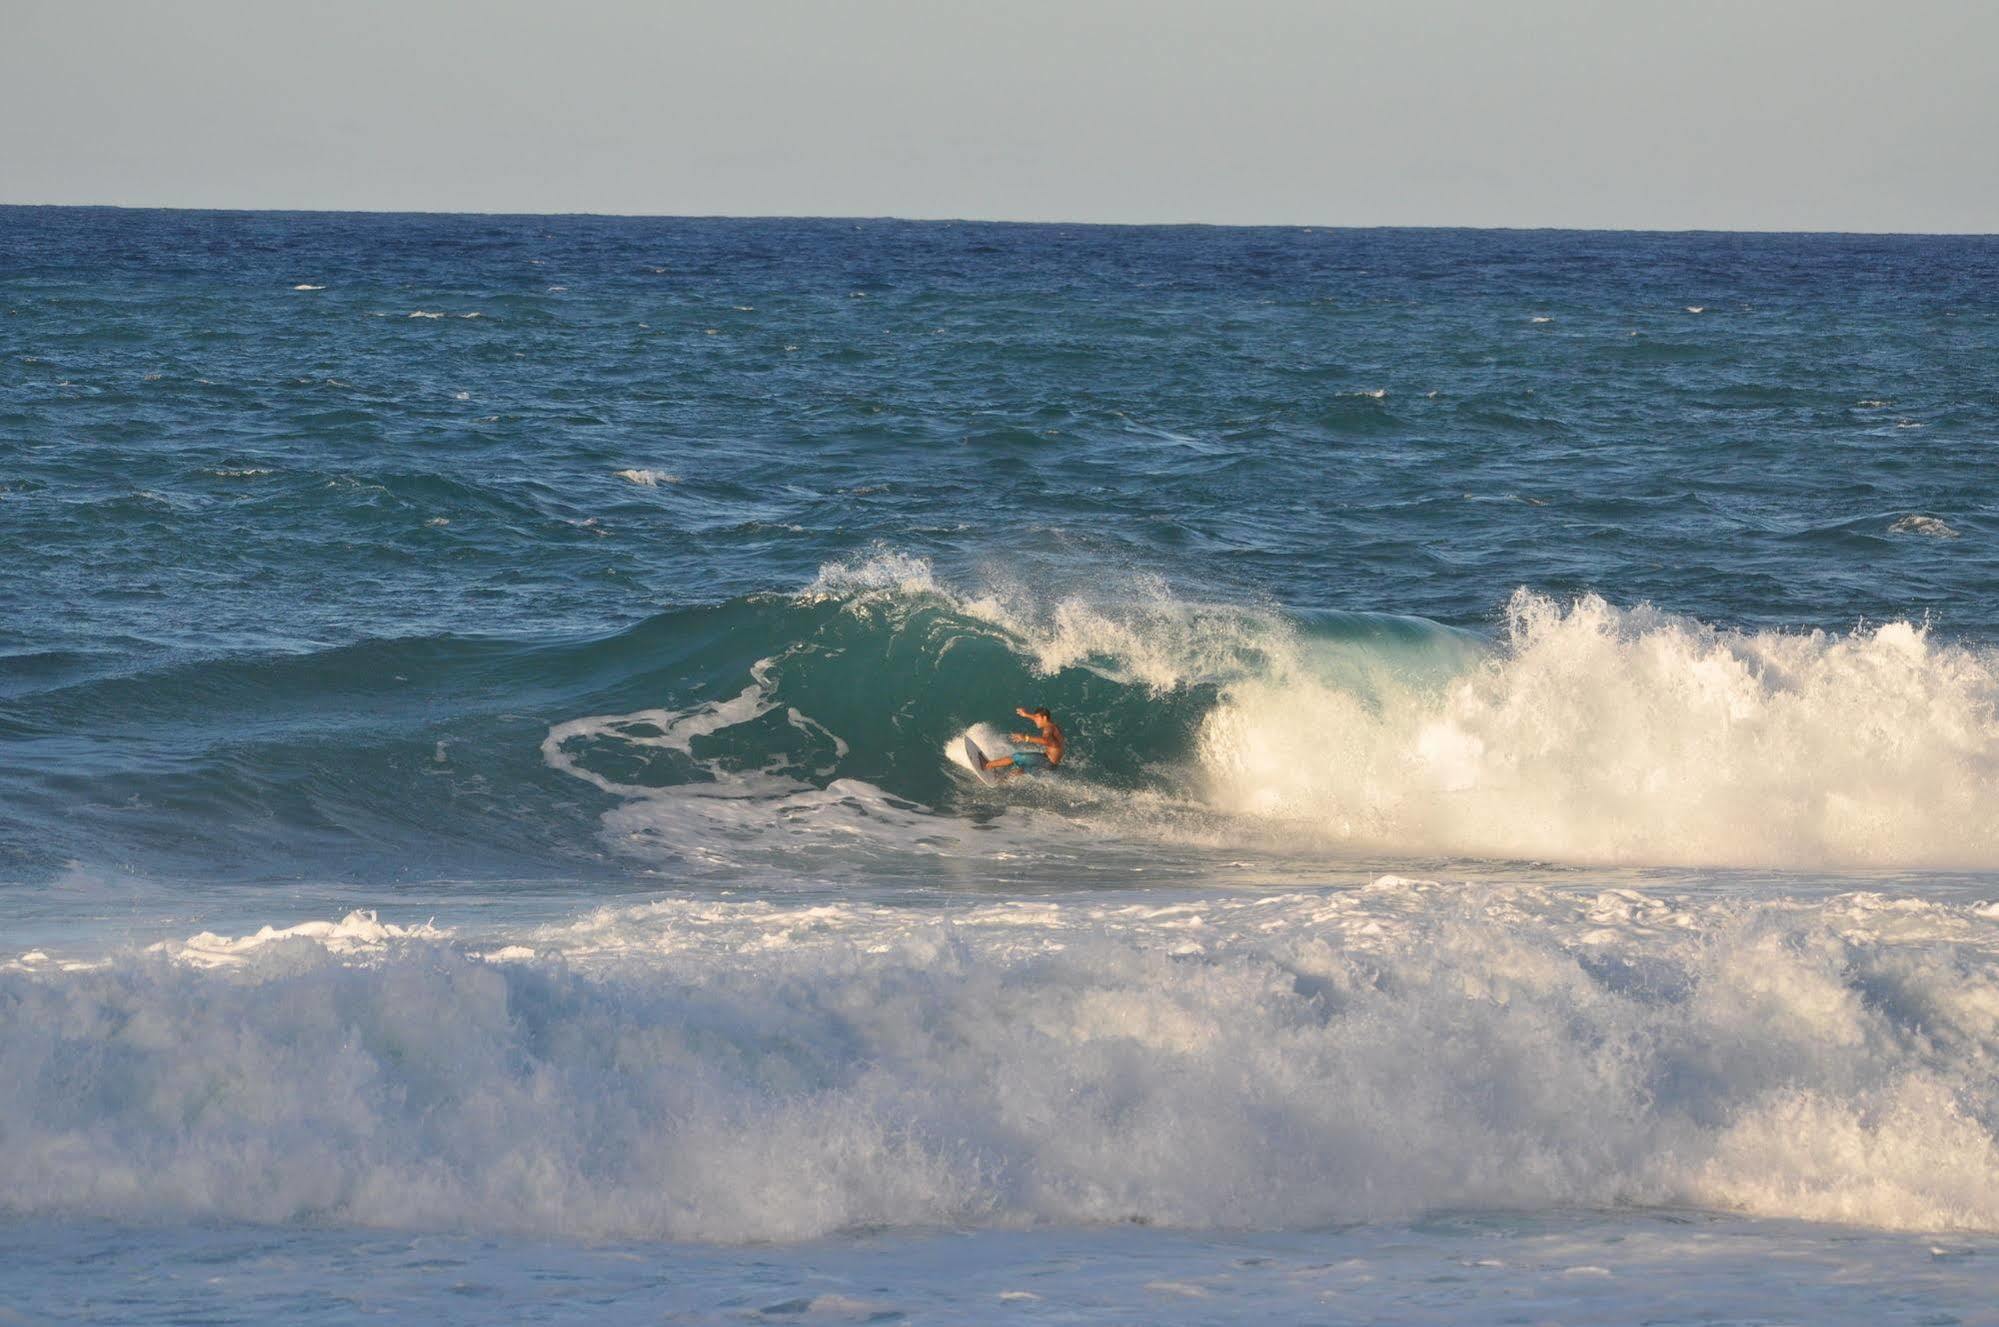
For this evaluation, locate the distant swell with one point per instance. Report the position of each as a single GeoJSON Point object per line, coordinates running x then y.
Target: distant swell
{"type": "Point", "coordinates": [743, 1071]}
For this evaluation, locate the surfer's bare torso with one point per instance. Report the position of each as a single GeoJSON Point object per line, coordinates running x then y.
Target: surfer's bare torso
{"type": "Point", "coordinates": [1048, 737]}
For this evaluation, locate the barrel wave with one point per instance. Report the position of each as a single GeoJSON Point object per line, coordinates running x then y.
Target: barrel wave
{"type": "Point", "coordinates": [813, 721]}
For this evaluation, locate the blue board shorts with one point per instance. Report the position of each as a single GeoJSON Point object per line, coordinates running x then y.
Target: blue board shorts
{"type": "Point", "coordinates": [1032, 760]}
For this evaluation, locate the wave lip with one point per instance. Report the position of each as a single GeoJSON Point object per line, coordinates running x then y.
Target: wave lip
{"type": "Point", "coordinates": [723, 1070]}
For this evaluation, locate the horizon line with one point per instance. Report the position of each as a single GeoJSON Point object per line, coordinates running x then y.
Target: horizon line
{"type": "Point", "coordinates": [998, 221]}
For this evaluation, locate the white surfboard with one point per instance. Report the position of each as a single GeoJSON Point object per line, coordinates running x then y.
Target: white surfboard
{"type": "Point", "coordinates": [971, 749]}
{"type": "Point", "coordinates": [978, 760]}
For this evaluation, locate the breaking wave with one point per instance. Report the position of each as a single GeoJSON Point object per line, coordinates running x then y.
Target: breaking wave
{"type": "Point", "coordinates": [724, 1070]}
{"type": "Point", "coordinates": [1598, 734]}
{"type": "Point", "coordinates": [1578, 732]}
{"type": "Point", "coordinates": [1582, 733]}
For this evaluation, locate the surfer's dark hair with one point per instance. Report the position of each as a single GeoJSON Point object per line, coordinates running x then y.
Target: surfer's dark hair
{"type": "Point", "coordinates": [1041, 712]}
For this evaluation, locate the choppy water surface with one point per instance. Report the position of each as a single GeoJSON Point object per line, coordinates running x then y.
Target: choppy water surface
{"type": "Point", "coordinates": [473, 700]}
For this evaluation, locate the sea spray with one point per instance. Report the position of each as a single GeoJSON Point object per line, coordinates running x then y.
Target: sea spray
{"type": "Point", "coordinates": [1599, 734]}
{"type": "Point", "coordinates": [727, 1070]}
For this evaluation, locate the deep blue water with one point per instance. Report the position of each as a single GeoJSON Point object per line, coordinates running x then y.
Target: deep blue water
{"type": "Point", "coordinates": [264, 546]}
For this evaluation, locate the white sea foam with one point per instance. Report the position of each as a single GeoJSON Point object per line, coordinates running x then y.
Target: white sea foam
{"type": "Point", "coordinates": [355, 933]}
{"type": "Point", "coordinates": [733, 815]}
{"type": "Point", "coordinates": [1595, 733]}
{"type": "Point", "coordinates": [1917, 523]}
{"type": "Point", "coordinates": [647, 478]}
{"type": "Point", "coordinates": [303, 286]}
{"type": "Point", "coordinates": [716, 1069]}
{"type": "Point", "coordinates": [883, 571]}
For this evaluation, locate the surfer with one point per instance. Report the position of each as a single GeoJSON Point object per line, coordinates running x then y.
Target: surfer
{"type": "Point", "coordinates": [1049, 739]}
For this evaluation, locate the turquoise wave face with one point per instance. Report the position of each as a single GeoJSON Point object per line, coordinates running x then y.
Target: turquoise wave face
{"type": "Point", "coordinates": [434, 754]}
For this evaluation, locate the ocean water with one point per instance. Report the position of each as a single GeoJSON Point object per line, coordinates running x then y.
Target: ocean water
{"type": "Point", "coordinates": [477, 841]}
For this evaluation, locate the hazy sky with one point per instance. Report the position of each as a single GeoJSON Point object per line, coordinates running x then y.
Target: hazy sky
{"type": "Point", "coordinates": [1735, 114]}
